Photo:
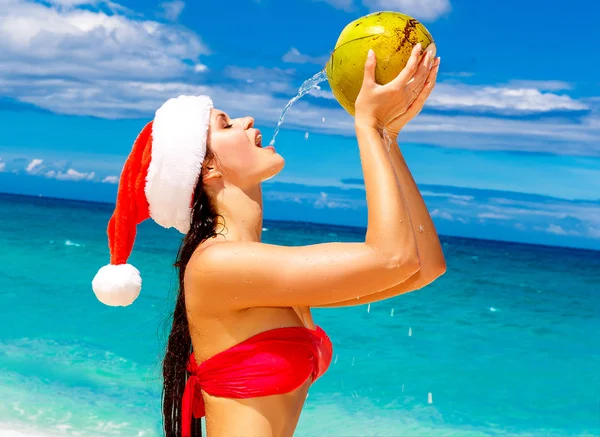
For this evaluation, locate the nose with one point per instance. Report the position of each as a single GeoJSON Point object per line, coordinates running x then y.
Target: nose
{"type": "Point", "coordinates": [247, 122]}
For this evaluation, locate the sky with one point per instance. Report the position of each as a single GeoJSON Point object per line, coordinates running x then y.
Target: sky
{"type": "Point", "coordinates": [507, 146]}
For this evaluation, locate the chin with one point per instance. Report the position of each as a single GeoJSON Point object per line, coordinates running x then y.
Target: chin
{"type": "Point", "coordinates": [274, 168]}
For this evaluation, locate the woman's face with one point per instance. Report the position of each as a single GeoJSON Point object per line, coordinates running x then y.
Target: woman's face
{"type": "Point", "coordinates": [240, 157]}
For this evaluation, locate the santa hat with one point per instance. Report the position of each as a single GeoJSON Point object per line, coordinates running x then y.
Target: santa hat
{"type": "Point", "coordinates": [157, 182]}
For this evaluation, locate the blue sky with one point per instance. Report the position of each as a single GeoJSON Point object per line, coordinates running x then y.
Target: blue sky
{"type": "Point", "coordinates": [515, 115]}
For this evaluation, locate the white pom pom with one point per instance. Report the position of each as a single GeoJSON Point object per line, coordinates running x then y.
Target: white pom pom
{"type": "Point", "coordinates": [117, 285]}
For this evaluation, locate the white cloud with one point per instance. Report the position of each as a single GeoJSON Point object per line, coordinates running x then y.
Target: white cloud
{"type": "Point", "coordinates": [457, 74]}
{"type": "Point", "coordinates": [441, 214]}
{"type": "Point", "coordinates": [556, 229]}
{"type": "Point", "coordinates": [312, 196]}
{"type": "Point", "coordinates": [69, 3]}
{"type": "Point", "coordinates": [71, 175]}
{"type": "Point", "coordinates": [505, 99]}
{"type": "Point", "coordinates": [172, 10]}
{"type": "Point", "coordinates": [325, 201]}
{"type": "Point", "coordinates": [294, 56]}
{"type": "Point", "coordinates": [323, 94]}
{"type": "Point", "coordinates": [200, 68]}
{"type": "Point", "coordinates": [491, 215]}
{"type": "Point", "coordinates": [542, 85]}
{"type": "Point", "coordinates": [564, 137]}
{"type": "Point", "coordinates": [31, 168]}
{"type": "Point", "coordinates": [54, 169]}
{"type": "Point", "coordinates": [426, 10]}
{"type": "Point", "coordinates": [346, 5]}
{"type": "Point", "coordinates": [87, 43]}
{"type": "Point", "coordinates": [462, 197]}
{"type": "Point", "coordinates": [111, 180]}
{"type": "Point", "coordinates": [283, 197]}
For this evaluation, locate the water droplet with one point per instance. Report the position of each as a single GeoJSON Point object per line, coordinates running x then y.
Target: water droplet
{"type": "Point", "coordinates": [429, 398]}
{"type": "Point", "coordinates": [323, 120]}
{"type": "Point", "coordinates": [369, 308]}
{"type": "Point", "coordinates": [410, 332]}
{"type": "Point", "coordinates": [392, 313]}
{"type": "Point", "coordinates": [335, 361]}
{"type": "Point", "coordinates": [353, 361]}
{"type": "Point", "coordinates": [421, 229]}
{"type": "Point", "coordinates": [306, 136]}
{"type": "Point", "coordinates": [388, 140]}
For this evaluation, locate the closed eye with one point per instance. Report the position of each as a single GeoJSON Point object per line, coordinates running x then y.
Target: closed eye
{"type": "Point", "coordinates": [223, 119]}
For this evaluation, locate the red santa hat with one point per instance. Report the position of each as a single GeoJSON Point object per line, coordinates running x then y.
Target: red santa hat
{"type": "Point", "coordinates": [157, 182]}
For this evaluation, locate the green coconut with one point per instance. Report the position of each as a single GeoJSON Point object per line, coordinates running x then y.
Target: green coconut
{"type": "Point", "coordinates": [391, 35]}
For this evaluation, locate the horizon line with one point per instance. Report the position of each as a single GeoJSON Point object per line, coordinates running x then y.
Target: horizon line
{"type": "Point", "coordinates": [361, 228]}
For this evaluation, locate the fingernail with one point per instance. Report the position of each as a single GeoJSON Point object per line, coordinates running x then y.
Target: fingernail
{"type": "Point", "coordinates": [420, 47]}
{"type": "Point", "coordinates": [371, 54]}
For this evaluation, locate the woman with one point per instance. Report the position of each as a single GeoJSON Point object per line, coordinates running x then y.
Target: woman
{"type": "Point", "coordinates": [244, 349]}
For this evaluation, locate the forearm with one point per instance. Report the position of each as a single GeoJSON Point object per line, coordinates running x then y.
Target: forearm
{"type": "Point", "coordinates": [389, 230]}
{"type": "Point", "coordinates": [430, 251]}
{"type": "Point", "coordinates": [428, 243]}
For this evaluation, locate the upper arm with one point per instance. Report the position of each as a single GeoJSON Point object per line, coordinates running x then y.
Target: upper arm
{"type": "Point", "coordinates": [249, 274]}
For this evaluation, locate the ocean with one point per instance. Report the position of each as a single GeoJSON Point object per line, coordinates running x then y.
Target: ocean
{"type": "Point", "coordinates": [507, 342]}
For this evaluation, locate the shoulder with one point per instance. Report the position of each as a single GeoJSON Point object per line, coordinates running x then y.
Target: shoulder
{"type": "Point", "coordinates": [219, 271]}
{"type": "Point", "coordinates": [220, 261]}
{"type": "Point", "coordinates": [220, 253]}
{"type": "Point", "coordinates": [203, 270]}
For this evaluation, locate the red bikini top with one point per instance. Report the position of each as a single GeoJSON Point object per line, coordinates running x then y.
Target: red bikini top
{"type": "Point", "coordinates": [272, 362]}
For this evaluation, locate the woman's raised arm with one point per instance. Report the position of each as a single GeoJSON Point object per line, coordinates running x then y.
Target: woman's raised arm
{"type": "Point", "coordinates": [252, 274]}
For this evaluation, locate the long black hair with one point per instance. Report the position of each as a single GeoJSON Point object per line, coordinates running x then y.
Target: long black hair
{"type": "Point", "coordinates": [179, 345]}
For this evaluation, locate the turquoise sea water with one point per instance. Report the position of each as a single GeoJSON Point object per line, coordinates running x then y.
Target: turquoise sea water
{"type": "Point", "coordinates": [507, 342]}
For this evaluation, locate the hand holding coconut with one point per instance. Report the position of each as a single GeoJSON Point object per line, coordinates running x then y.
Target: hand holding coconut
{"type": "Point", "coordinates": [396, 125]}
{"type": "Point", "coordinates": [392, 105]}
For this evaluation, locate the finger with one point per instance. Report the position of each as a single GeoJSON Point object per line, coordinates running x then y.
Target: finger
{"type": "Point", "coordinates": [415, 86]}
{"type": "Point", "coordinates": [431, 77]}
{"type": "Point", "coordinates": [369, 77]}
{"type": "Point", "coordinates": [428, 87]}
{"type": "Point", "coordinates": [411, 67]}
{"type": "Point", "coordinates": [425, 66]}
{"type": "Point", "coordinates": [419, 101]}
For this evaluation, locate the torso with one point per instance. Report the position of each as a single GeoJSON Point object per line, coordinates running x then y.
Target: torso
{"type": "Point", "coordinates": [213, 331]}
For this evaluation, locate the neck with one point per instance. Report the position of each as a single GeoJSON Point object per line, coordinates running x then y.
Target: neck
{"type": "Point", "coordinates": [241, 211]}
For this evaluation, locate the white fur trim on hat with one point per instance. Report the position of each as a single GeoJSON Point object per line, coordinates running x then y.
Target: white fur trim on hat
{"type": "Point", "coordinates": [117, 285]}
{"type": "Point", "coordinates": [179, 135]}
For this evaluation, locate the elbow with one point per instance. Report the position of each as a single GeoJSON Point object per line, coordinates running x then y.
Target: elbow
{"type": "Point", "coordinates": [439, 266]}
{"type": "Point", "coordinates": [431, 272]}
{"type": "Point", "coordinates": [438, 269]}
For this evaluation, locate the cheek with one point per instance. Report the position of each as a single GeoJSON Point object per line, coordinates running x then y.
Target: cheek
{"type": "Point", "coordinates": [238, 155]}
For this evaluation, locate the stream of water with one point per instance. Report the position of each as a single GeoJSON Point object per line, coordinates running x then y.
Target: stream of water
{"type": "Point", "coordinates": [304, 89]}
